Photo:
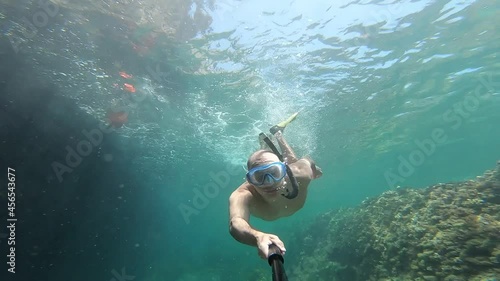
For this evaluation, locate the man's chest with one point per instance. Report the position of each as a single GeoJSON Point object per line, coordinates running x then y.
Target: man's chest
{"type": "Point", "coordinates": [279, 207]}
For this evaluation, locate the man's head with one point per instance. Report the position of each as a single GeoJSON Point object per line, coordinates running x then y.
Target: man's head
{"type": "Point", "coordinates": [261, 157]}
{"type": "Point", "coordinates": [266, 172]}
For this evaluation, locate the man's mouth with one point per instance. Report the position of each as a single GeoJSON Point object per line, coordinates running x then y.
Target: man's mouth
{"type": "Point", "coordinates": [270, 190]}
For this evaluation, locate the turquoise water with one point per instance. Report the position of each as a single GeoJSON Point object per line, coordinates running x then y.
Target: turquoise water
{"type": "Point", "coordinates": [373, 79]}
{"type": "Point", "coordinates": [390, 93]}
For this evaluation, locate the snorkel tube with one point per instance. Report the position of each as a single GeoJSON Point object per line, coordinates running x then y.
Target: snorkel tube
{"type": "Point", "coordinates": [295, 186]}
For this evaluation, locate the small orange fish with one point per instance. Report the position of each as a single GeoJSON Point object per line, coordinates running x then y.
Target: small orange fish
{"type": "Point", "coordinates": [117, 119]}
{"type": "Point", "coordinates": [125, 75]}
{"type": "Point", "coordinates": [129, 87]}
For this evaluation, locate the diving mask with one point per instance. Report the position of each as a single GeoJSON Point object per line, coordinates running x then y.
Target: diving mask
{"type": "Point", "coordinates": [267, 175]}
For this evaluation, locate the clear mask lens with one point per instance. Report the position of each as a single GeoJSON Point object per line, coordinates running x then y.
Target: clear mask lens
{"type": "Point", "coordinates": [267, 175]}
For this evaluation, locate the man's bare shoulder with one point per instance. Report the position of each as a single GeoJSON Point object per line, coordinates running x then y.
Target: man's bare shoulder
{"type": "Point", "coordinates": [243, 192]}
{"type": "Point", "coordinates": [302, 168]}
{"type": "Point", "coordinates": [304, 162]}
{"type": "Point", "coordinates": [306, 167]}
{"type": "Point", "coordinates": [241, 202]}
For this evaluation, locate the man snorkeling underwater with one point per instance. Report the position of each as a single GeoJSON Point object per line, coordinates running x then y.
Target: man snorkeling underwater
{"type": "Point", "coordinates": [276, 187]}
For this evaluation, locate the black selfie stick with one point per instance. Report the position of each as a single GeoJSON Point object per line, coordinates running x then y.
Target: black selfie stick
{"type": "Point", "coordinates": [276, 261]}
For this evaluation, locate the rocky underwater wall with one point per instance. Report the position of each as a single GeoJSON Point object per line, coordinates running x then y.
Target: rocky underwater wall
{"type": "Point", "coordinates": [448, 231]}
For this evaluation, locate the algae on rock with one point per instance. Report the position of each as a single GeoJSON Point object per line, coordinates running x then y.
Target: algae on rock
{"type": "Point", "coordinates": [448, 232]}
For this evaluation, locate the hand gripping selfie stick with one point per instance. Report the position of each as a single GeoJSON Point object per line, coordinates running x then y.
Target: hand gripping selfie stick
{"type": "Point", "coordinates": [276, 261]}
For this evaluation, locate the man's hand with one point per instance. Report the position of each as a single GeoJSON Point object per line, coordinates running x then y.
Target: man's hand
{"type": "Point", "coordinates": [263, 242]}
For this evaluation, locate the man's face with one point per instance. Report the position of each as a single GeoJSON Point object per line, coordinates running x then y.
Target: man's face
{"type": "Point", "coordinates": [273, 189]}
{"type": "Point", "coordinates": [270, 191]}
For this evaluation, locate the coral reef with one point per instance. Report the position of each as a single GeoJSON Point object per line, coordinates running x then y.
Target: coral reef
{"type": "Point", "coordinates": [445, 232]}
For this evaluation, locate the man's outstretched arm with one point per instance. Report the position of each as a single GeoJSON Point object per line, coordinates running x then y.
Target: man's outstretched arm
{"type": "Point", "coordinates": [240, 229]}
{"type": "Point", "coordinates": [239, 215]}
